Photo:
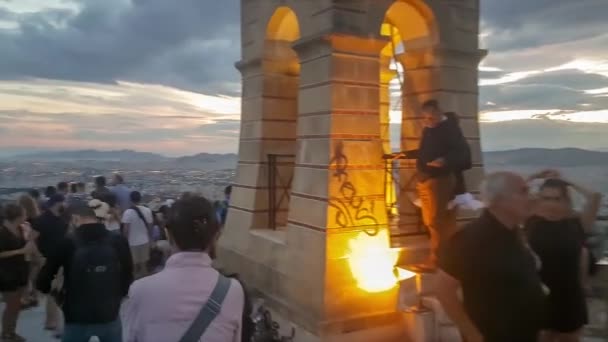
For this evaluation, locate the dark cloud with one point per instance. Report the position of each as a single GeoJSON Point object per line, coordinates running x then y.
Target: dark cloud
{"type": "Point", "coordinates": [573, 79]}
{"type": "Point", "coordinates": [526, 35]}
{"type": "Point", "coordinates": [552, 90]}
{"type": "Point", "coordinates": [484, 74]}
{"type": "Point", "coordinates": [182, 43]}
{"type": "Point", "coordinates": [7, 15]}
{"type": "Point", "coordinates": [225, 128]}
{"type": "Point", "coordinates": [507, 135]}
{"type": "Point", "coordinates": [518, 24]}
{"type": "Point", "coordinates": [513, 13]}
{"type": "Point", "coordinates": [192, 44]}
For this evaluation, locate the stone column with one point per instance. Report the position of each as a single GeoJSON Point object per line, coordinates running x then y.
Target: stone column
{"type": "Point", "coordinates": [386, 76]}
{"type": "Point", "coordinates": [338, 189]}
{"type": "Point", "coordinates": [281, 82]}
{"type": "Point", "coordinates": [249, 207]}
{"type": "Point", "coordinates": [449, 76]}
{"type": "Point", "coordinates": [268, 126]}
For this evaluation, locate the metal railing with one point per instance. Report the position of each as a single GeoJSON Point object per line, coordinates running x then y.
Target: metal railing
{"type": "Point", "coordinates": [397, 184]}
{"type": "Point", "coordinates": [279, 186]}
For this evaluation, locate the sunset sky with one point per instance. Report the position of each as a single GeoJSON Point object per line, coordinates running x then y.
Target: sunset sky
{"type": "Point", "coordinates": [158, 75]}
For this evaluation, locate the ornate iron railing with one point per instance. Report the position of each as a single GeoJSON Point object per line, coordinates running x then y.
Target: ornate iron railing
{"type": "Point", "coordinates": [280, 177]}
{"type": "Point", "coordinates": [399, 180]}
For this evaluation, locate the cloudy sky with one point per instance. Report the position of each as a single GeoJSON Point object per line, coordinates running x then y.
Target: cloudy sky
{"type": "Point", "coordinates": [158, 75]}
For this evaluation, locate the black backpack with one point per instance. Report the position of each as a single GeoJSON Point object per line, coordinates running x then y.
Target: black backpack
{"type": "Point", "coordinates": [94, 281]}
{"type": "Point", "coordinates": [466, 159]}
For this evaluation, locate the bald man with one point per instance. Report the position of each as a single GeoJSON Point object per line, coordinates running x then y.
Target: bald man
{"type": "Point", "coordinates": [496, 271]}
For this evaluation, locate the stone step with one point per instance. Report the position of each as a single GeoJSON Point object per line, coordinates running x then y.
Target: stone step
{"type": "Point", "coordinates": [425, 318]}
{"type": "Point", "coordinates": [429, 323]}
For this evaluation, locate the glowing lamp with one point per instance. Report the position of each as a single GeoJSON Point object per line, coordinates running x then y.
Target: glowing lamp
{"type": "Point", "coordinates": [372, 262]}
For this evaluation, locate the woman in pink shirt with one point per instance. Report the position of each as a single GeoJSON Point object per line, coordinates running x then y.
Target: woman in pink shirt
{"type": "Point", "coordinates": [162, 307]}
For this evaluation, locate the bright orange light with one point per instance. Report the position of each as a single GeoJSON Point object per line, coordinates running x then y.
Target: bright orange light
{"type": "Point", "coordinates": [372, 262]}
{"type": "Point", "coordinates": [403, 274]}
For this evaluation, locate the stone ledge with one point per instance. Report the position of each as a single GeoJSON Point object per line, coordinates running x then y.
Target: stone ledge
{"type": "Point", "coordinates": [278, 236]}
{"type": "Point", "coordinates": [389, 333]}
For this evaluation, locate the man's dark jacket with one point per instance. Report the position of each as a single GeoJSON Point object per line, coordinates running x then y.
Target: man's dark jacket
{"type": "Point", "coordinates": [52, 230]}
{"type": "Point", "coordinates": [63, 257]}
{"type": "Point", "coordinates": [442, 141]}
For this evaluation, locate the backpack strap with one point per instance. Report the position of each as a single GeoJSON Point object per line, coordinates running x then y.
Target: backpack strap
{"type": "Point", "coordinates": [141, 216]}
{"type": "Point", "coordinates": [209, 311]}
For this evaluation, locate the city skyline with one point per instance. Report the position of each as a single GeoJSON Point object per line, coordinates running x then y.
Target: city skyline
{"type": "Point", "coordinates": [89, 74]}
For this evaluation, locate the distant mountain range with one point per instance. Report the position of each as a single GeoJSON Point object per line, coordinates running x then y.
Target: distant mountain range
{"type": "Point", "coordinates": [206, 158]}
{"type": "Point", "coordinates": [565, 157]}
{"type": "Point", "coordinates": [129, 156]}
{"type": "Point", "coordinates": [121, 155]}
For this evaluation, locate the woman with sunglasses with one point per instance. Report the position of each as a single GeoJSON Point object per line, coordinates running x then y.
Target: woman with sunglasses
{"type": "Point", "coordinates": [557, 233]}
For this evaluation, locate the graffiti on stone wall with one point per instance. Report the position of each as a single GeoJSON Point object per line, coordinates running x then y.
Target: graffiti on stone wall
{"type": "Point", "coordinates": [352, 210]}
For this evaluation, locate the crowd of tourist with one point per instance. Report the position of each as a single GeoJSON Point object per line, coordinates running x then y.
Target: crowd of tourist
{"type": "Point", "coordinates": [83, 251]}
{"type": "Point", "coordinates": [113, 268]}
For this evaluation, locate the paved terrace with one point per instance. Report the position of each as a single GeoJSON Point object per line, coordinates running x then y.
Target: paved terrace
{"type": "Point", "coordinates": [31, 322]}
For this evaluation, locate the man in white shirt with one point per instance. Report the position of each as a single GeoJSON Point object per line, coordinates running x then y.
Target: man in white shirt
{"type": "Point", "coordinates": [137, 228]}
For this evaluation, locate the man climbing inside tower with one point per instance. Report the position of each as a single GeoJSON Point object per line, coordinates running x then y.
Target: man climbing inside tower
{"type": "Point", "coordinates": [442, 157]}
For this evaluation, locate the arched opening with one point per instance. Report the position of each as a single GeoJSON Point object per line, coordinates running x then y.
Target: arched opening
{"type": "Point", "coordinates": [281, 68]}
{"type": "Point", "coordinates": [408, 25]}
{"type": "Point", "coordinates": [283, 25]}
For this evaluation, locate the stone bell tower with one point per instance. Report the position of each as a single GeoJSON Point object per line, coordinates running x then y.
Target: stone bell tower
{"type": "Point", "coordinates": [308, 225]}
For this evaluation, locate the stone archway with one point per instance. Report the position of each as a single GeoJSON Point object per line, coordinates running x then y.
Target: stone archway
{"type": "Point", "coordinates": [408, 25]}
{"type": "Point", "coordinates": [281, 68]}
{"type": "Point", "coordinates": [260, 198]}
{"type": "Point", "coordinates": [283, 25]}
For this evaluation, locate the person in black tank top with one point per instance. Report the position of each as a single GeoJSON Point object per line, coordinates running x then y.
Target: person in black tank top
{"type": "Point", "coordinates": [13, 268]}
{"type": "Point", "coordinates": [557, 235]}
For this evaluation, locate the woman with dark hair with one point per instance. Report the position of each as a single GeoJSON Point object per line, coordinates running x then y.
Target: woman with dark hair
{"type": "Point", "coordinates": [13, 268]}
{"type": "Point", "coordinates": [557, 234]}
{"type": "Point", "coordinates": [101, 190]}
{"type": "Point", "coordinates": [34, 258]}
{"type": "Point", "coordinates": [73, 188]}
{"type": "Point", "coordinates": [113, 221]}
{"type": "Point", "coordinates": [50, 191]}
{"type": "Point", "coordinates": [35, 194]}
{"type": "Point", "coordinates": [163, 306]}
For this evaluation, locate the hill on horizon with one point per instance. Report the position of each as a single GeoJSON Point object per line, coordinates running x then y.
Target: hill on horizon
{"type": "Point", "coordinates": [90, 154]}
{"type": "Point", "coordinates": [562, 157]}
{"type": "Point", "coordinates": [116, 155]}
